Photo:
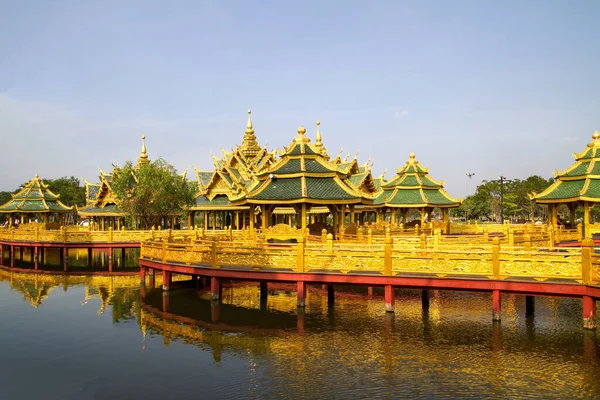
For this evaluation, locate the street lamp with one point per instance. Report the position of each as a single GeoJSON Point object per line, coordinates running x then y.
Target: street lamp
{"type": "Point", "coordinates": [502, 179]}
{"type": "Point", "coordinates": [470, 175]}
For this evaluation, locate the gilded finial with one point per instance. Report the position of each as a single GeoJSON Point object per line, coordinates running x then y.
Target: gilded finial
{"type": "Point", "coordinates": [249, 128]}
{"type": "Point", "coordinates": [36, 176]}
{"type": "Point", "coordinates": [412, 158]}
{"type": "Point", "coordinates": [596, 135]}
{"type": "Point", "coordinates": [143, 156]}
{"type": "Point", "coordinates": [301, 130]}
{"type": "Point", "coordinates": [319, 138]}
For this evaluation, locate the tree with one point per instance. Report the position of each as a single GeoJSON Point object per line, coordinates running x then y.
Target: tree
{"type": "Point", "coordinates": [152, 191]}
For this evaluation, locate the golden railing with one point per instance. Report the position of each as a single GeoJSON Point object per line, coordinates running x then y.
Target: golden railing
{"type": "Point", "coordinates": [425, 257]}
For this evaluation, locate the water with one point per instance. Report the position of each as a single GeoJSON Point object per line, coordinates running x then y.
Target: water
{"type": "Point", "coordinates": [92, 337]}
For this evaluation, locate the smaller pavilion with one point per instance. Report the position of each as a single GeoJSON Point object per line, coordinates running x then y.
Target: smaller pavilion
{"type": "Point", "coordinates": [35, 199]}
{"type": "Point", "coordinates": [413, 188]}
{"type": "Point", "coordinates": [578, 185]}
{"type": "Point", "coordinates": [101, 203]}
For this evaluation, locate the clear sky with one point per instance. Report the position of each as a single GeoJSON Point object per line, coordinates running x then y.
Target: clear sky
{"type": "Point", "coordinates": [486, 87]}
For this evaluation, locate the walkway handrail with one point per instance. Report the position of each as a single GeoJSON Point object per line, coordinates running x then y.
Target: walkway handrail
{"type": "Point", "coordinates": [481, 261]}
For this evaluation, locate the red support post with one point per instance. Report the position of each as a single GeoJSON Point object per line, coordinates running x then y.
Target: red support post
{"type": "Point", "coordinates": [389, 298]}
{"type": "Point", "coordinates": [166, 281]}
{"type": "Point", "coordinates": [301, 293]}
{"type": "Point", "coordinates": [152, 273]}
{"type": "Point", "coordinates": [215, 311]}
{"type": "Point", "coordinates": [215, 288]}
{"type": "Point", "coordinates": [165, 301]}
{"type": "Point", "coordinates": [65, 258]}
{"type": "Point", "coordinates": [370, 291]}
{"type": "Point", "coordinates": [35, 257]}
{"type": "Point", "coordinates": [143, 275]}
{"type": "Point", "coordinates": [496, 305]}
{"type": "Point", "coordinates": [110, 259]}
{"type": "Point", "coordinates": [589, 312]}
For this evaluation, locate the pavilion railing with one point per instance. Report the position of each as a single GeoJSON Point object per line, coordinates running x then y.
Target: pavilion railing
{"type": "Point", "coordinates": [391, 258]}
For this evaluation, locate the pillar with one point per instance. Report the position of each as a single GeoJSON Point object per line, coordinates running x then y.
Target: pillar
{"type": "Point", "coordinates": [496, 307]}
{"type": "Point", "coordinates": [35, 257]}
{"type": "Point", "coordinates": [370, 291]}
{"type": "Point", "coordinates": [529, 305]}
{"type": "Point", "coordinates": [425, 299]}
{"type": "Point", "coordinates": [264, 292]}
{"type": "Point", "coordinates": [1, 254]}
{"type": "Point", "coordinates": [195, 283]}
{"type": "Point", "coordinates": [589, 312]}
{"type": "Point", "coordinates": [389, 298]}
{"type": "Point", "coordinates": [252, 218]}
{"type": "Point", "coordinates": [205, 220]}
{"type": "Point", "coordinates": [303, 216]}
{"type": "Point", "coordinates": [110, 259]}
{"type": "Point", "coordinates": [152, 278]}
{"type": "Point", "coordinates": [143, 275]}
{"type": "Point", "coordinates": [330, 294]}
{"type": "Point", "coordinates": [166, 297]}
{"type": "Point", "coordinates": [215, 288]}
{"type": "Point", "coordinates": [301, 293]}
{"type": "Point", "coordinates": [586, 220]}
{"type": "Point", "coordinates": [12, 256]}
{"type": "Point", "coordinates": [65, 259]}
{"type": "Point", "coordinates": [166, 278]}
{"type": "Point", "coordinates": [215, 311]}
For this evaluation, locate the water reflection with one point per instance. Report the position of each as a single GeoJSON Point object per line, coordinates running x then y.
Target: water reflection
{"type": "Point", "coordinates": [348, 349]}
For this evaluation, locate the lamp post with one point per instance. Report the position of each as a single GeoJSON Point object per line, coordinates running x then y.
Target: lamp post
{"type": "Point", "coordinates": [501, 179]}
{"type": "Point", "coordinates": [470, 175]}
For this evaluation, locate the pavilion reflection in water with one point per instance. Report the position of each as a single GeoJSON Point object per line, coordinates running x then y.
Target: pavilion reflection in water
{"type": "Point", "coordinates": [351, 333]}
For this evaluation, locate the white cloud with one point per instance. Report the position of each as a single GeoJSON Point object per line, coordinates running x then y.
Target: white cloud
{"type": "Point", "coordinates": [400, 114]}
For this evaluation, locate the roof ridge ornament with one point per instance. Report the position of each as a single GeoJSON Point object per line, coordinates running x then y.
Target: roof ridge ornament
{"type": "Point", "coordinates": [319, 138]}
{"type": "Point", "coordinates": [301, 137]}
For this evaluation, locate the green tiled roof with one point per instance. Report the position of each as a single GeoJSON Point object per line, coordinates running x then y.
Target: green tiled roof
{"type": "Point", "coordinates": [34, 197]}
{"type": "Point", "coordinates": [95, 210]}
{"type": "Point", "coordinates": [412, 186]}
{"type": "Point", "coordinates": [216, 201]}
{"type": "Point", "coordinates": [586, 172]}
{"type": "Point", "coordinates": [92, 190]}
{"type": "Point", "coordinates": [564, 190]}
{"type": "Point", "coordinates": [580, 169]}
{"type": "Point", "coordinates": [204, 177]}
{"type": "Point", "coordinates": [281, 189]}
{"type": "Point", "coordinates": [325, 189]}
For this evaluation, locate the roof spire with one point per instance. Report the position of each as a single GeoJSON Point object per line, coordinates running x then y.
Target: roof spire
{"type": "Point", "coordinates": [249, 146]}
{"type": "Point", "coordinates": [143, 156]}
{"type": "Point", "coordinates": [412, 158]}
{"type": "Point", "coordinates": [249, 129]}
{"type": "Point", "coordinates": [319, 138]}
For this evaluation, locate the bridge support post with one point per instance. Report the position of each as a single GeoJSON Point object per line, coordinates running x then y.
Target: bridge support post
{"type": "Point", "coordinates": [215, 289]}
{"type": "Point", "coordinates": [12, 256]}
{"type": "Point", "coordinates": [35, 257]}
{"type": "Point", "coordinates": [264, 290]}
{"type": "Point", "coordinates": [1, 254]}
{"type": "Point", "coordinates": [166, 281]}
{"type": "Point", "coordinates": [215, 311]}
{"type": "Point", "coordinates": [65, 258]}
{"type": "Point", "coordinates": [389, 298]}
{"type": "Point", "coordinates": [301, 293]}
{"type": "Point", "coordinates": [166, 297]}
{"type": "Point", "coordinates": [152, 278]}
{"type": "Point", "coordinates": [110, 259]}
{"type": "Point", "coordinates": [529, 305]}
{"type": "Point", "coordinates": [496, 306]}
{"type": "Point", "coordinates": [143, 275]}
{"type": "Point", "coordinates": [589, 312]}
{"type": "Point", "coordinates": [300, 320]}
{"type": "Point", "coordinates": [425, 299]}
{"type": "Point", "coordinates": [330, 294]}
{"type": "Point", "coordinates": [370, 291]}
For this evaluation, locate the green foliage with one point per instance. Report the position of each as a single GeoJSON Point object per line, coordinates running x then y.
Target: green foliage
{"type": "Point", "coordinates": [152, 191]}
{"type": "Point", "coordinates": [513, 197]}
{"type": "Point", "coordinates": [70, 190]}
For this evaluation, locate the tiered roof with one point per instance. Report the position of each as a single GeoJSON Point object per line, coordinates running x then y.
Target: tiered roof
{"type": "Point", "coordinates": [580, 182]}
{"type": "Point", "coordinates": [233, 173]}
{"type": "Point", "coordinates": [35, 197]}
{"type": "Point", "coordinates": [412, 187]}
{"type": "Point", "coordinates": [304, 174]}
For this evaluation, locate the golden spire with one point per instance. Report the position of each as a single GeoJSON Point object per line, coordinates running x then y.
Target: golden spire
{"type": "Point", "coordinates": [319, 138]}
{"type": "Point", "coordinates": [250, 146]}
{"type": "Point", "coordinates": [595, 139]}
{"type": "Point", "coordinates": [143, 156]}
{"type": "Point", "coordinates": [249, 129]}
{"type": "Point", "coordinates": [412, 159]}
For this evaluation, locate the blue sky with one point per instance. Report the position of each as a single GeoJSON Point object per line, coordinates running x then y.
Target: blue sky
{"type": "Point", "coordinates": [486, 87]}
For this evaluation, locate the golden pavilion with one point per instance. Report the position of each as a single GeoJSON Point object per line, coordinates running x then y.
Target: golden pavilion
{"type": "Point", "coordinates": [578, 185]}
{"type": "Point", "coordinates": [35, 200]}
